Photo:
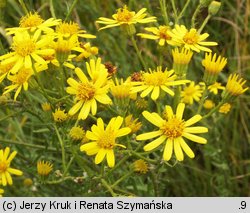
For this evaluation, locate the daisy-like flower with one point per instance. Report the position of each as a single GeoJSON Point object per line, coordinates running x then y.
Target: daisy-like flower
{"type": "Point", "coordinates": [5, 70]}
{"type": "Point", "coordinates": [160, 33]}
{"type": "Point", "coordinates": [213, 66]}
{"type": "Point", "coordinates": [156, 80]}
{"type": "Point", "coordinates": [225, 108]}
{"type": "Point", "coordinates": [5, 169]}
{"type": "Point", "coordinates": [32, 22]}
{"type": "Point", "coordinates": [191, 39]}
{"type": "Point", "coordinates": [67, 29]}
{"type": "Point", "coordinates": [234, 86]}
{"type": "Point", "coordinates": [103, 140]}
{"type": "Point", "coordinates": [87, 51]}
{"type": "Point", "coordinates": [215, 87]}
{"type": "Point", "coordinates": [21, 78]}
{"type": "Point", "coordinates": [190, 93]}
{"type": "Point", "coordinates": [140, 166]}
{"type": "Point", "coordinates": [88, 92]}
{"type": "Point", "coordinates": [44, 168]}
{"type": "Point", "coordinates": [27, 48]}
{"type": "Point", "coordinates": [46, 106]}
{"type": "Point", "coordinates": [77, 133]}
{"type": "Point", "coordinates": [126, 17]}
{"type": "Point", "coordinates": [171, 130]}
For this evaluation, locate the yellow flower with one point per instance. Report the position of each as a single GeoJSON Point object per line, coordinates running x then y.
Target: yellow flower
{"type": "Point", "coordinates": [172, 130]}
{"type": "Point", "coordinates": [132, 123]}
{"type": "Point", "coordinates": [5, 169]}
{"type": "Point", "coordinates": [121, 90]}
{"type": "Point", "coordinates": [181, 58]}
{"type": "Point", "coordinates": [5, 70]}
{"type": "Point", "coordinates": [235, 85]}
{"type": "Point", "coordinates": [63, 47]}
{"type": "Point", "coordinates": [190, 93]}
{"type": "Point", "coordinates": [87, 51]}
{"type": "Point", "coordinates": [67, 29]}
{"type": "Point", "coordinates": [191, 39]}
{"type": "Point", "coordinates": [27, 182]}
{"type": "Point", "coordinates": [208, 104]}
{"type": "Point", "coordinates": [126, 17]}
{"type": "Point", "coordinates": [140, 166]}
{"type": "Point", "coordinates": [155, 81]}
{"type": "Point", "coordinates": [59, 115]}
{"type": "Point", "coordinates": [27, 48]}
{"type": "Point", "coordinates": [215, 87]}
{"type": "Point", "coordinates": [1, 192]}
{"type": "Point", "coordinates": [160, 33]}
{"type": "Point", "coordinates": [88, 92]}
{"type": "Point", "coordinates": [225, 108]}
{"type": "Point", "coordinates": [44, 168]}
{"type": "Point", "coordinates": [32, 22]}
{"type": "Point", "coordinates": [103, 140]}
{"type": "Point", "coordinates": [213, 67]}
{"type": "Point", "coordinates": [46, 107]}
{"type": "Point", "coordinates": [21, 78]}
{"type": "Point", "coordinates": [77, 133]}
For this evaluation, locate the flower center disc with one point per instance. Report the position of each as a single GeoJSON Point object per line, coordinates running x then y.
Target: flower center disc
{"type": "Point", "coordinates": [191, 37]}
{"type": "Point", "coordinates": [68, 28]}
{"type": "Point", "coordinates": [173, 128]}
{"type": "Point", "coordinates": [31, 20]}
{"type": "Point", "coordinates": [155, 79]}
{"type": "Point", "coordinates": [163, 33]}
{"type": "Point", "coordinates": [3, 166]}
{"type": "Point", "coordinates": [86, 91]}
{"type": "Point", "coordinates": [25, 47]}
{"type": "Point", "coordinates": [107, 141]}
{"type": "Point", "coordinates": [123, 15]}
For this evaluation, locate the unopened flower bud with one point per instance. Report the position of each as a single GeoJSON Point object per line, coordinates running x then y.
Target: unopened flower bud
{"type": "Point", "coordinates": [205, 3]}
{"type": "Point", "coordinates": [214, 7]}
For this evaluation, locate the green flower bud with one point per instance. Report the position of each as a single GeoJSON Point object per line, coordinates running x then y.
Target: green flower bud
{"type": "Point", "coordinates": [205, 3]}
{"type": "Point", "coordinates": [214, 7]}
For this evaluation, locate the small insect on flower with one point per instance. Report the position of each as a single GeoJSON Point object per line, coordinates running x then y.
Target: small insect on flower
{"type": "Point", "coordinates": [5, 169]}
{"type": "Point", "coordinates": [44, 168]}
{"type": "Point", "coordinates": [103, 140]}
{"type": "Point", "coordinates": [172, 129]}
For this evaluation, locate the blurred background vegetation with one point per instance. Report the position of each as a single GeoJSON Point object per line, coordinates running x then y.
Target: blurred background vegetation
{"type": "Point", "coordinates": [221, 168]}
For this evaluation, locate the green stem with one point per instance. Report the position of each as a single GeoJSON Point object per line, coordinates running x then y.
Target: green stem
{"type": "Point", "coordinates": [122, 178]}
{"type": "Point", "coordinates": [23, 6]}
{"type": "Point", "coordinates": [60, 180]}
{"type": "Point", "coordinates": [174, 9]}
{"type": "Point", "coordinates": [62, 147]}
{"type": "Point", "coordinates": [52, 9]}
{"type": "Point", "coordinates": [204, 23]}
{"type": "Point", "coordinates": [177, 96]}
{"type": "Point", "coordinates": [164, 11]}
{"type": "Point", "coordinates": [183, 11]}
{"type": "Point", "coordinates": [138, 53]}
{"type": "Point", "coordinates": [68, 166]}
{"type": "Point", "coordinates": [108, 187]}
{"type": "Point", "coordinates": [213, 110]}
{"type": "Point", "coordinates": [155, 184]}
{"type": "Point", "coordinates": [28, 145]}
{"type": "Point", "coordinates": [202, 99]}
{"type": "Point", "coordinates": [142, 157]}
{"type": "Point", "coordinates": [71, 9]}
{"type": "Point", "coordinates": [196, 12]}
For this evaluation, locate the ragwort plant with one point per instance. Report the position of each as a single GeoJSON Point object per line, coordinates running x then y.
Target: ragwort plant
{"type": "Point", "coordinates": [80, 122]}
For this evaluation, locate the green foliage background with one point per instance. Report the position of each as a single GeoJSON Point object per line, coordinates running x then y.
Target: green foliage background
{"type": "Point", "coordinates": [220, 168]}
